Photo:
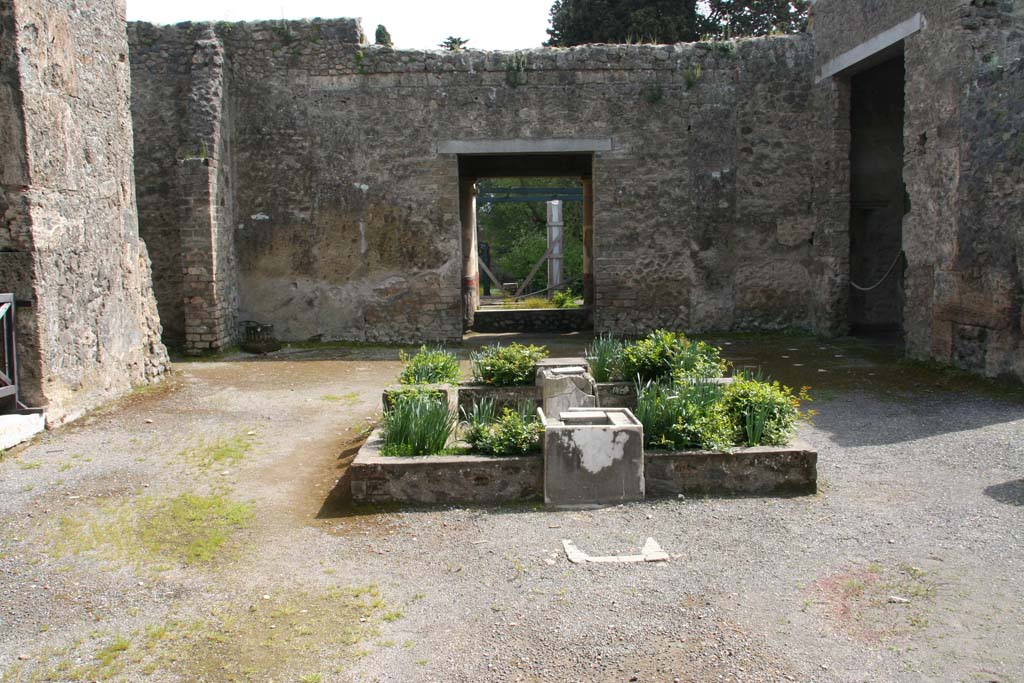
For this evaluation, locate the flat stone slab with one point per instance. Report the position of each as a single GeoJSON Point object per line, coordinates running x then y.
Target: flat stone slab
{"type": "Point", "coordinates": [18, 428]}
{"type": "Point", "coordinates": [651, 552]}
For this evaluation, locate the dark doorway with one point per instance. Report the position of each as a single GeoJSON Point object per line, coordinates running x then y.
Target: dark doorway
{"type": "Point", "coordinates": [878, 199]}
{"type": "Point", "coordinates": [487, 180]}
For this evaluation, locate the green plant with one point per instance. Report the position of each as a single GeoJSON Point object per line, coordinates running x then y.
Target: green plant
{"type": "Point", "coordinates": [663, 353]}
{"type": "Point", "coordinates": [453, 43]}
{"type": "Point", "coordinates": [506, 366]}
{"type": "Point", "coordinates": [515, 69]}
{"type": "Point", "coordinates": [534, 302]}
{"type": "Point", "coordinates": [382, 37]}
{"type": "Point", "coordinates": [430, 365]}
{"type": "Point", "coordinates": [514, 432]}
{"type": "Point", "coordinates": [692, 75]}
{"type": "Point", "coordinates": [682, 415]}
{"type": "Point", "coordinates": [479, 419]}
{"type": "Point", "coordinates": [603, 355]}
{"type": "Point", "coordinates": [763, 413]}
{"type": "Point", "coordinates": [564, 299]}
{"type": "Point", "coordinates": [417, 423]}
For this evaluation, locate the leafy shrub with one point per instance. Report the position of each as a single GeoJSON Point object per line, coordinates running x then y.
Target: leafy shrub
{"type": "Point", "coordinates": [417, 423]}
{"type": "Point", "coordinates": [430, 365]}
{"type": "Point", "coordinates": [507, 366]}
{"type": "Point", "coordinates": [763, 413]}
{"type": "Point", "coordinates": [534, 302]}
{"type": "Point", "coordinates": [663, 353]}
{"type": "Point", "coordinates": [603, 355]}
{"type": "Point", "coordinates": [683, 415]}
{"type": "Point", "coordinates": [564, 299]}
{"type": "Point", "coordinates": [514, 432]}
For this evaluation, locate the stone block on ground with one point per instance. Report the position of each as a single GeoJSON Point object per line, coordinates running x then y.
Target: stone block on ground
{"type": "Point", "coordinates": [595, 460]}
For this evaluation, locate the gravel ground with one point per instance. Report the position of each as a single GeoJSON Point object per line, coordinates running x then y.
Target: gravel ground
{"type": "Point", "coordinates": [905, 567]}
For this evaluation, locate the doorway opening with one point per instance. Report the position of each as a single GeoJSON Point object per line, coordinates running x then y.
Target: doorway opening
{"type": "Point", "coordinates": [527, 241]}
{"type": "Point", "coordinates": [878, 200]}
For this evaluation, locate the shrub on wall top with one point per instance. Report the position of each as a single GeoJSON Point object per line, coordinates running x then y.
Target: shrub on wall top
{"type": "Point", "coordinates": [507, 366]}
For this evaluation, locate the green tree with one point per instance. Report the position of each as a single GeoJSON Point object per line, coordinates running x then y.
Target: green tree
{"type": "Point", "coordinates": [383, 37]}
{"type": "Point", "coordinates": [518, 237]}
{"type": "Point", "coordinates": [577, 22]}
{"type": "Point", "coordinates": [734, 18]}
{"type": "Point", "coordinates": [454, 43]}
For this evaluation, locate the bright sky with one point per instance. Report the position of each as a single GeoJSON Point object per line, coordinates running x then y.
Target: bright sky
{"type": "Point", "coordinates": [488, 24]}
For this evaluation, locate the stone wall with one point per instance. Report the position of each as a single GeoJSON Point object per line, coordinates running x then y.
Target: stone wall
{"type": "Point", "coordinates": [346, 218]}
{"type": "Point", "coordinates": [69, 244]}
{"type": "Point", "coordinates": [962, 170]}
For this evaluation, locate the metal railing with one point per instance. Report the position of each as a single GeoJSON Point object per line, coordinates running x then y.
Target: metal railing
{"type": "Point", "coordinates": [9, 399]}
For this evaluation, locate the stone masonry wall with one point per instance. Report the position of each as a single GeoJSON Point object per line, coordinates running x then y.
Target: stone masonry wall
{"type": "Point", "coordinates": [346, 219]}
{"type": "Point", "coordinates": [962, 236]}
{"type": "Point", "coordinates": [69, 244]}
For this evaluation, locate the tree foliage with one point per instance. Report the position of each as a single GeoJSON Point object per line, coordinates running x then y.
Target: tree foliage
{"type": "Point", "coordinates": [734, 18]}
{"type": "Point", "coordinates": [577, 22]}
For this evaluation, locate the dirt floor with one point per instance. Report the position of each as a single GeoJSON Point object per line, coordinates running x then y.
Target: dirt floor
{"type": "Point", "coordinates": [200, 531]}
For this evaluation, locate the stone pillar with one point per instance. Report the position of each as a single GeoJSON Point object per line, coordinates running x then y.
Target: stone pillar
{"type": "Point", "coordinates": [208, 318]}
{"type": "Point", "coordinates": [69, 245]}
{"type": "Point", "coordinates": [470, 268]}
{"type": "Point", "coordinates": [588, 242]}
{"type": "Point", "coordinates": [556, 227]}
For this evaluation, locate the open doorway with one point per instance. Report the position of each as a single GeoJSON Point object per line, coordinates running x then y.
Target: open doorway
{"type": "Point", "coordinates": [878, 200]}
{"type": "Point", "coordinates": [527, 240]}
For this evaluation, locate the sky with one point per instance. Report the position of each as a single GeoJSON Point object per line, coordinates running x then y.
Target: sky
{"type": "Point", "coordinates": [413, 24]}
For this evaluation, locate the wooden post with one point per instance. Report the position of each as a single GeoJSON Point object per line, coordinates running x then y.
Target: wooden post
{"type": "Point", "coordinates": [588, 242]}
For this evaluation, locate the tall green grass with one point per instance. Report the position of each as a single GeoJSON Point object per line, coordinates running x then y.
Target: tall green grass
{"type": "Point", "coordinates": [603, 355]}
{"type": "Point", "coordinates": [417, 424]}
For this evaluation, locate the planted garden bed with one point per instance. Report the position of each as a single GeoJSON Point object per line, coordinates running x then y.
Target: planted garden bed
{"type": "Point", "coordinates": [704, 433]}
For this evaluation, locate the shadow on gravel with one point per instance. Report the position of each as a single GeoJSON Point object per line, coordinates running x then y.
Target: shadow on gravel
{"type": "Point", "coordinates": [1010, 492]}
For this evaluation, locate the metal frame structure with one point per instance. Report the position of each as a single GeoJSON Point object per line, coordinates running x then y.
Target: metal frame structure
{"type": "Point", "coordinates": [9, 399]}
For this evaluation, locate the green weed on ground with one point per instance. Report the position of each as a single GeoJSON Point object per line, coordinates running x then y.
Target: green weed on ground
{"type": "Point", "coordinates": [188, 529]}
{"type": "Point", "coordinates": [229, 450]}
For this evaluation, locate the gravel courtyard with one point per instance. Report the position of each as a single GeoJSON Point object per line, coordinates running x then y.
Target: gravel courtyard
{"type": "Point", "coordinates": [199, 531]}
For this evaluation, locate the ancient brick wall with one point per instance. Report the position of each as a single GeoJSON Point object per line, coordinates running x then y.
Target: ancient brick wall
{"type": "Point", "coordinates": [961, 236]}
{"type": "Point", "coordinates": [346, 219]}
{"type": "Point", "coordinates": [70, 247]}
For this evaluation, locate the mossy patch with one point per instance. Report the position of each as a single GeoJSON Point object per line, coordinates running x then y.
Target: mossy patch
{"type": "Point", "coordinates": [351, 398]}
{"type": "Point", "coordinates": [282, 637]}
{"type": "Point", "coordinates": [877, 602]}
{"type": "Point", "coordinates": [228, 450]}
{"type": "Point", "coordinates": [188, 529]}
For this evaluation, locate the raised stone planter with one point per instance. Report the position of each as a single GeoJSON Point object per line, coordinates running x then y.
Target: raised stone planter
{"type": "Point", "coordinates": [435, 479]}
{"type": "Point", "coordinates": [442, 479]}
{"type": "Point", "coordinates": [532, 320]}
{"type": "Point", "coordinates": [503, 397]}
{"type": "Point", "coordinates": [765, 470]}
{"type": "Point", "coordinates": [445, 390]}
